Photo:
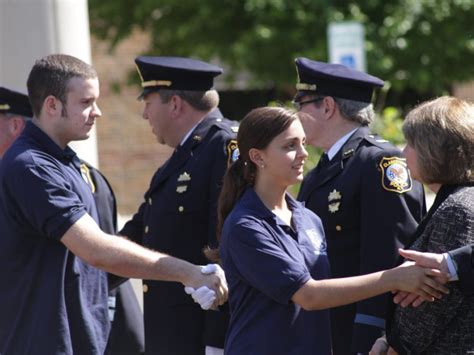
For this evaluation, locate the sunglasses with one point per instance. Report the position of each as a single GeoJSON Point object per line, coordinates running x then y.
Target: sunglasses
{"type": "Point", "coordinates": [299, 104]}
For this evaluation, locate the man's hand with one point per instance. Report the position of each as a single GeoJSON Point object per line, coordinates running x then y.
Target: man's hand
{"type": "Point", "coordinates": [213, 277]}
{"type": "Point", "coordinates": [431, 260]}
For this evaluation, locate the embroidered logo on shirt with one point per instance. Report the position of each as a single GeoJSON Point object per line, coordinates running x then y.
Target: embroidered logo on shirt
{"type": "Point", "coordinates": [395, 175]}
{"type": "Point", "coordinates": [86, 175]}
{"type": "Point", "coordinates": [316, 240]}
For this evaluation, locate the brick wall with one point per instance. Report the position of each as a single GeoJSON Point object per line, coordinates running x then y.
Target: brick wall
{"type": "Point", "coordinates": [128, 151]}
{"type": "Point", "coordinates": [464, 91]}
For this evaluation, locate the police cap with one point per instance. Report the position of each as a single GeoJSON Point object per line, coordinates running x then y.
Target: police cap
{"type": "Point", "coordinates": [14, 102]}
{"type": "Point", "coordinates": [334, 80]}
{"type": "Point", "coordinates": [175, 73]}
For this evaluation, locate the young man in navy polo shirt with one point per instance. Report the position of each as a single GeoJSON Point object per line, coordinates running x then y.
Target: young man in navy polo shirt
{"type": "Point", "coordinates": [126, 316]}
{"type": "Point", "coordinates": [51, 247]}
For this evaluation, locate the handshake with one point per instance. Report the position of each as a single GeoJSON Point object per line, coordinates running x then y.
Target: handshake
{"type": "Point", "coordinates": [210, 297]}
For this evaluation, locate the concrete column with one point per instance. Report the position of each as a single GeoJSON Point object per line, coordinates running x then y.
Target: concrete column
{"type": "Point", "coordinates": [32, 29]}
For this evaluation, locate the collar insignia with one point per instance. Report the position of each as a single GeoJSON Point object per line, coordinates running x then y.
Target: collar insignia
{"type": "Point", "coordinates": [348, 153]}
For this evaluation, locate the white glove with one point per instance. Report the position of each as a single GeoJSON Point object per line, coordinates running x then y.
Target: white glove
{"type": "Point", "coordinates": [213, 269]}
{"type": "Point", "coordinates": [203, 295]}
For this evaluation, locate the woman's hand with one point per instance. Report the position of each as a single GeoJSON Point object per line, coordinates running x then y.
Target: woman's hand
{"type": "Point", "coordinates": [425, 282]}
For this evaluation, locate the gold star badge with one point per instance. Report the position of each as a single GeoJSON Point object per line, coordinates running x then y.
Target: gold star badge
{"type": "Point", "coordinates": [334, 195]}
{"type": "Point", "coordinates": [334, 207]}
{"type": "Point", "coordinates": [184, 177]}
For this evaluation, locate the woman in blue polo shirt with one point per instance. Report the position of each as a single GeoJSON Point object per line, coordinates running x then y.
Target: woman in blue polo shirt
{"type": "Point", "coordinates": [274, 251]}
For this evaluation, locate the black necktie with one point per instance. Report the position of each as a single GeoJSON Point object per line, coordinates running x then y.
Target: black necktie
{"type": "Point", "coordinates": [324, 161]}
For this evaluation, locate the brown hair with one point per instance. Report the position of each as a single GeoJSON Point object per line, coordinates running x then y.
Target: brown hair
{"type": "Point", "coordinates": [258, 128]}
{"type": "Point", "coordinates": [442, 133]}
{"type": "Point", "coordinates": [50, 76]}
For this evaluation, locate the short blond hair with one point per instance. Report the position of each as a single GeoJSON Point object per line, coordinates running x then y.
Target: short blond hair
{"type": "Point", "coordinates": [442, 133]}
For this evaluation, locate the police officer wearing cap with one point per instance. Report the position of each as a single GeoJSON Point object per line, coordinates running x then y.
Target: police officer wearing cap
{"type": "Point", "coordinates": [361, 189]}
{"type": "Point", "coordinates": [14, 111]}
{"type": "Point", "coordinates": [127, 334]}
{"type": "Point", "coordinates": [178, 214]}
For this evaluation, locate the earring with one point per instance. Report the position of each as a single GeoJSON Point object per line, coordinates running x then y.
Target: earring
{"type": "Point", "coordinates": [262, 166]}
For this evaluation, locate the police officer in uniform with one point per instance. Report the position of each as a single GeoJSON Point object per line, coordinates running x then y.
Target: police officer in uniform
{"type": "Point", "coordinates": [178, 214]}
{"type": "Point", "coordinates": [127, 334]}
{"type": "Point", "coordinates": [15, 110]}
{"type": "Point", "coordinates": [361, 189]}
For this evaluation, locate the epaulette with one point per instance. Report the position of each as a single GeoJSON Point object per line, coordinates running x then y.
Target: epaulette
{"type": "Point", "coordinates": [224, 124]}
{"type": "Point", "coordinates": [377, 140]}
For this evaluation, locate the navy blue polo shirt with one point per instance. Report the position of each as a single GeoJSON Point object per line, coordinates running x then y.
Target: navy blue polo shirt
{"type": "Point", "coordinates": [266, 262]}
{"type": "Point", "coordinates": [51, 302]}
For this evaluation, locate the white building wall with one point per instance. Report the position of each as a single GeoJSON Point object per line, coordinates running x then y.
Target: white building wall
{"type": "Point", "coordinates": [32, 29]}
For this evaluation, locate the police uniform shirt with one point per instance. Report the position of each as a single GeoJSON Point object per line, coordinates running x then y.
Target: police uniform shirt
{"type": "Point", "coordinates": [178, 217]}
{"type": "Point", "coordinates": [52, 302]}
{"type": "Point", "coordinates": [370, 207]}
{"type": "Point", "coordinates": [266, 262]}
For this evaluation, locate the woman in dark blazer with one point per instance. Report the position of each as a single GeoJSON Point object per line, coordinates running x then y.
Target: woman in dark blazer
{"type": "Point", "coordinates": [440, 153]}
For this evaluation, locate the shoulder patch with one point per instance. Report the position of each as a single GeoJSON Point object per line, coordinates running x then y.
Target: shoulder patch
{"type": "Point", "coordinates": [232, 152]}
{"type": "Point", "coordinates": [395, 174]}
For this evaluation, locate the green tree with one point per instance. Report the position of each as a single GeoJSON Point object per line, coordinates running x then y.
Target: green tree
{"type": "Point", "coordinates": [421, 44]}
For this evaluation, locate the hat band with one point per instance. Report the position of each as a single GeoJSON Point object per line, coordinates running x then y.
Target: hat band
{"type": "Point", "coordinates": [149, 83]}
{"type": "Point", "coordinates": [306, 87]}
{"type": "Point", "coordinates": [5, 107]}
